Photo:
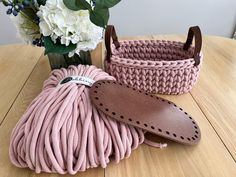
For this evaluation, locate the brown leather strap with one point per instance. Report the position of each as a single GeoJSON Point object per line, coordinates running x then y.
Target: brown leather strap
{"type": "Point", "coordinates": [148, 112]}
{"type": "Point", "coordinates": [195, 32]}
{"type": "Point", "coordinates": [110, 33]}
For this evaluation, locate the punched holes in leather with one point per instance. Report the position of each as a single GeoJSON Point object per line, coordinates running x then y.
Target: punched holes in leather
{"type": "Point", "coordinates": [145, 111]}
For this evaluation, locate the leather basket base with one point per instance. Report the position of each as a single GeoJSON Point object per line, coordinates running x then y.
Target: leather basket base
{"type": "Point", "coordinates": [145, 111]}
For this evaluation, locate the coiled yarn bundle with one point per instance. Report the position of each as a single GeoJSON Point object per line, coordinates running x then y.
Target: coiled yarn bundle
{"type": "Point", "coordinates": [62, 132]}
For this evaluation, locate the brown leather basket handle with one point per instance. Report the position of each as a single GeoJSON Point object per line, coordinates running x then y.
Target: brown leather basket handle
{"type": "Point", "coordinates": [110, 33]}
{"type": "Point", "coordinates": [194, 31]}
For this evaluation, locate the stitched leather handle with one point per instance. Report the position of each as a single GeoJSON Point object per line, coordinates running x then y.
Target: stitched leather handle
{"type": "Point", "coordinates": [195, 32]}
{"type": "Point", "coordinates": [110, 34]}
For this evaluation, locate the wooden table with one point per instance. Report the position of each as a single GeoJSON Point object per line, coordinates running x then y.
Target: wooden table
{"type": "Point", "coordinates": [212, 103]}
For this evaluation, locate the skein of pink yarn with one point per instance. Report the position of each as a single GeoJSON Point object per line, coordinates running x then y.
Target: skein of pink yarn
{"type": "Point", "coordinates": [62, 132]}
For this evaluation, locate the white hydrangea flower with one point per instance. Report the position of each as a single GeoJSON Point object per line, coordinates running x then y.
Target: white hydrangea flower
{"type": "Point", "coordinates": [59, 22]}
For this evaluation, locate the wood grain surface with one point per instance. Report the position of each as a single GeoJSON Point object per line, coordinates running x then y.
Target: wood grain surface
{"type": "Point", "coordinates": [215, 92]}
{"type": "Point", "coordinates": [212, 103]}
{"type": "Point", "coordinates": [16, 64]}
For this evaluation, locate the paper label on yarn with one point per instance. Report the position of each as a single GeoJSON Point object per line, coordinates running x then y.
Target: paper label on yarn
{"type": "Point", "coordinates": [78, 80]}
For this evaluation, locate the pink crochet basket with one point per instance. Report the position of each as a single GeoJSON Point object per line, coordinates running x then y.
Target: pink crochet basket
{"type": "Point", "coordinates": [155, 66]}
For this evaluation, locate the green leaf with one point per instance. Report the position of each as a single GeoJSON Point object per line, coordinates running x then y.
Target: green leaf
{"type": "Point", "coordinates": [77, 4]}
{"type": "Point", "coordinates": [41, 2]}
{"type": "Point", "coordinates": [83, 4]}
{"type": "Point", "coordinates": [58, 48]}
{"type": "Point", "coordinates": [70, 4]}
{"type": "Point", "coordinates": [5, 3]}
{"type": "Point", "coordinates": [29, 13]}
{"type": "Point", "coordinates": [106, 3]}
{"type": "Point", "coordinates": [99, 17]}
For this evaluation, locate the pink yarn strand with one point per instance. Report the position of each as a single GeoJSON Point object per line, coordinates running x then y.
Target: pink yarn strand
{"type": "Point", "coordinates": [62, 132]}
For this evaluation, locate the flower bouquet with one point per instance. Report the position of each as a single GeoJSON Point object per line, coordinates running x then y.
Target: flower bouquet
{"type": "Point", "coordinates": [67, 29]}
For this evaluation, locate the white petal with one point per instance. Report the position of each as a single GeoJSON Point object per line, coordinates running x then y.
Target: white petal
{"type": "Point", "coordinates": [70, 26]}
{"type": "Point", "coordinates": [44, 29]}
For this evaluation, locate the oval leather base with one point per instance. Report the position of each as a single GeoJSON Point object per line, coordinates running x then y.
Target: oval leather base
{"type": "Point", "coordinates": [146, 111]}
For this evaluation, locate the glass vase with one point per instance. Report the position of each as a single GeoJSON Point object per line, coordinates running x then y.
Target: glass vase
{"type": "Point", "coordinates": [58, 61]}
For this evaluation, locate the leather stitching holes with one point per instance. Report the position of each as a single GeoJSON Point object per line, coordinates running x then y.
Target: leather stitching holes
{"type": "Point", "coordinates": [146, 125]}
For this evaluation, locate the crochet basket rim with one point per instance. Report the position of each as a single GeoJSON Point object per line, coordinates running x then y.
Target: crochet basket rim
{"type": "Point", "coordinates": [134, 63]}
